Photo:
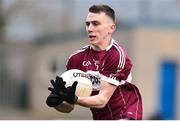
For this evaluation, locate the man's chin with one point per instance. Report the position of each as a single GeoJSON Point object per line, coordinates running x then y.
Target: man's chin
{"type": "Point", "coordinates": [93, 42]}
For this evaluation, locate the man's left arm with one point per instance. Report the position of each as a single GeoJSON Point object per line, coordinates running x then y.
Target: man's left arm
{"type": "Point", "coordinates": [100, 100]}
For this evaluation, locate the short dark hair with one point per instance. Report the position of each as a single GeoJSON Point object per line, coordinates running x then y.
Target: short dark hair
{"type": "Point", "coordinates": [103, 8]}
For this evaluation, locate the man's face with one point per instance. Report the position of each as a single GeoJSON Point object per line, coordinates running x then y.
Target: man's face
{"type": "Point", "coordinates": [99, 28]}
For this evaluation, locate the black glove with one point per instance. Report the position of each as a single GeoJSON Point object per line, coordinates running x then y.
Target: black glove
{"type": "Point", "coordinates": [56, 96]}
{"type": "Point", "coordinates": [53, 100]}
{"type": "Point", "coordinates": [70, 93]}
{"type": "Point", "coordinates": [60, 93]}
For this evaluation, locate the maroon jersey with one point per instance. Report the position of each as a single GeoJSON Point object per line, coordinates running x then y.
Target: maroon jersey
{"type": "Point", "coordinates": [113, 63]}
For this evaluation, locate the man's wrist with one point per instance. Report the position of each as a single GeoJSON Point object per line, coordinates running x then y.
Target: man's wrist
{"type": "Point", "coordinates": [72, 100]}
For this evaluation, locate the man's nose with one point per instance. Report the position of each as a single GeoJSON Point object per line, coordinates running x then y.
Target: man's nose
{"type": "Point", "coordinates": [90, 28]}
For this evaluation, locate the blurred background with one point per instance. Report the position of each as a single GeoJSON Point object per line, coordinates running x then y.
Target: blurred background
{"type": "Point", "coordinates": [37, 37]}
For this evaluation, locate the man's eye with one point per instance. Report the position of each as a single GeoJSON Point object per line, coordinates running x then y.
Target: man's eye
{"type": "Point", "coordinates": [95, 23]}
{"type": "Point", "coordinates": [87, 23]}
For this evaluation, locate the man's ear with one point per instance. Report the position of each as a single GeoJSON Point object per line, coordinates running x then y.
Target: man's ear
{"type": "Point", "coordinates": [113, 28]}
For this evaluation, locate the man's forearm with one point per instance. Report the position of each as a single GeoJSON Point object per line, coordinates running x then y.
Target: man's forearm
{"type": "Point", "coordinates": [97, 101]}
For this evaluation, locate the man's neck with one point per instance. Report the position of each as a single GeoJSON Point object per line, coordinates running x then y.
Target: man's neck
{"type": "Point", "coordinates": [102, 47]}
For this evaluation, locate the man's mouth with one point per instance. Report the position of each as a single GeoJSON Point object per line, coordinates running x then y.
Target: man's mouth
{"type": "Point", "coordinates": [92, 37]}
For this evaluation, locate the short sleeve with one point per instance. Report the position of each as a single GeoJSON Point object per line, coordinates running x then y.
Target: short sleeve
{"type": "Point", "coordinates": [117, 66]}
{"type": "Point", "coordinates": [70, 64]}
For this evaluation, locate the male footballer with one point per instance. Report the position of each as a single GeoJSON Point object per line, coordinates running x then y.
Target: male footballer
{"type": "Point", "coordinates": [114, 97]}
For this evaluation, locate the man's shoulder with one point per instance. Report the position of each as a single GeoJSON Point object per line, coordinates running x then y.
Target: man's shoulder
{"type": "Point", "coordinates": [117, 47]}
{"type": "Point", "coordinates": [80, 51]}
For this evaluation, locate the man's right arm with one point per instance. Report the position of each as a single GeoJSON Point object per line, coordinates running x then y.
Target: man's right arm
{"type": "Point", "coordinates": [64, 107]}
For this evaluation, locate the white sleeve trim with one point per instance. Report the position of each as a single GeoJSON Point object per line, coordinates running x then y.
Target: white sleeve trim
{"type": "Point", "coordinates": [110, 80]}
{"type": "Point", "coordinates": [116, 82]}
